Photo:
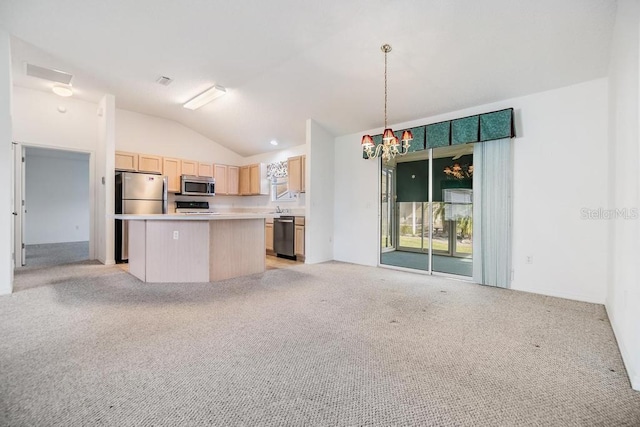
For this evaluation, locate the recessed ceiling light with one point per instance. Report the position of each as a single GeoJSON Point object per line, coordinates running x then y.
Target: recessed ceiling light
{"type": "Point", "coordinates": [205, 97]}
{"type": "Point", "coordinates": [274, 142]}
{"type": "Point", "coordinates": [62, 90]}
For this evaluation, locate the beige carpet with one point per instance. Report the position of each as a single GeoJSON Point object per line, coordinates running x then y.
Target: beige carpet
{"type": "Point", "coordinates": [328, 344]}
{"type": "Point", "coordinates": [49, 254]}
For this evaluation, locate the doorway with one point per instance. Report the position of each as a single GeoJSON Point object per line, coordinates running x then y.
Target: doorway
{"type": "Point", "coordinates": [55, 223]}
{"type": "Point", "coordinates": [432, 212]}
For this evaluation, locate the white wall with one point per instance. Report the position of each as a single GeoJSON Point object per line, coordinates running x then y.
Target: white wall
{"type": "Point", "coordinates": [623, 297]}
{"type": "Point", "coordinates": [142, 133]}
{"type": "Point", "coordinates": [105, 172]}
{"type": "Point", "coordinates": [560, 167]}
{"type": "Point", "coordinates": [319, 224]}
{"type": "Point", "coordinates": [57, 196]}
{"type": "Point", "coordinates": [37, 121]}
{"type": "Point", "coordinates": [6, 168]}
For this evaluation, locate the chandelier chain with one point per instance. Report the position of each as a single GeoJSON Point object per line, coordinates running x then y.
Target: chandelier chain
{"type": "Point", "coordinates": [385, 88]}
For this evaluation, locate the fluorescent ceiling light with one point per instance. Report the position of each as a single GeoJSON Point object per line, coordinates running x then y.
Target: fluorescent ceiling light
{"type": "Point", "coordinates": [205, 97]}
{"type": "Point", "coordinates": [62, 90]}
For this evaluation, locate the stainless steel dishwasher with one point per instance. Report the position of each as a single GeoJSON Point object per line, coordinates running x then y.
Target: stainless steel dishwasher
{"type": "Point", "coordinates": [284, 233]}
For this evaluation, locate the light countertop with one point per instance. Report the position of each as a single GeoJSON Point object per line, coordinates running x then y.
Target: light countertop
{"type": "Point", "coordinates": [197, 217]}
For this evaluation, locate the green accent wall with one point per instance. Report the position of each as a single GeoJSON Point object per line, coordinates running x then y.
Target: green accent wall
{"type": "Point", "coordinates": [412, 183]}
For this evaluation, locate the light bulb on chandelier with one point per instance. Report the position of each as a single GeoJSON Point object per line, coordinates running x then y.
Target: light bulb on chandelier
{"type": "Point", "coordinates": [390, 146]}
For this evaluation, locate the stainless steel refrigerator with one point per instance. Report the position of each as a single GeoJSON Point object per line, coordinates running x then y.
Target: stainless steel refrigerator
{"type": "Point", "coordinates": [136, 193]}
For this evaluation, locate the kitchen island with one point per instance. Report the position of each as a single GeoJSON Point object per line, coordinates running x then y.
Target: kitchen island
{"type": "Point", "coordinates": [195, 248]}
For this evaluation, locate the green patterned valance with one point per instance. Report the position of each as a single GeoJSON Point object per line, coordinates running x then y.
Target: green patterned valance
{"type": "Point", "coordinates": [438, 134]}
{"type": "Point", "coordinates": [464, 130]}
{"type": "Point", "coordinates": [482, 127]}
{"type": "Point", "coordinates": [478, 128]}
{"type": "Point", "coordinates": [497, 125]}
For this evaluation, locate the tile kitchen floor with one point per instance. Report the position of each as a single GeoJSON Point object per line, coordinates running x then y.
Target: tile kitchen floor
{"type": "Point", "coordinates": [274, 262]}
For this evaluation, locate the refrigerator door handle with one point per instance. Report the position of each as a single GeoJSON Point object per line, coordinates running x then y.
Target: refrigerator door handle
{"type": "Point", "coordinates": [165, 187]}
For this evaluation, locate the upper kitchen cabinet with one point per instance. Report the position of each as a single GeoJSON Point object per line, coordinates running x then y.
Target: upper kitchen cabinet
{"type": "Point", "coordinates": [126, 161]}
{"type": "Point", "coordinates": [135, 162]}
{"type": "Point", "coordinates": [172, 169]}
{"type": "Point", "coordinates": [205, 169]}
{"type": "Point", "coordinates": [296, 169]}
{"type": "Point", "coordinates": [253, 180]}
{"type": "Point", "coordinates": [189, 167]}
{"type": "Point", "coordinates": [245, 182]}
{"type": "Point", "coordinates": [220, 174]}
{"type": "Point", "coordinates": [258, 179]}
{"type": "Point", "coordinates": [233, 180]}
{"type": "Point", "coordinates": [149, 163]}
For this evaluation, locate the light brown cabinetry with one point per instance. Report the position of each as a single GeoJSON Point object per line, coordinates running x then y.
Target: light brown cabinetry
{"type": "Point", "coordinates": [189, 167]}
{"type": "Point", "coordinates": [149, 163]}
{"type": "Point", "coordinates": [298, 244]}
{"type": "Point", "coordinates": [205, 169]}
{"type": "Point", "coordinates": [253, 180]}
{"type": "Point", "coordinates": [233, 180]}
{"type": "Point", "coordinates": [268, 236]}
{"type": "Point", "coordinates": [227, 177]}
{"type": "Point", "coordinates": [220, 174]}
{"type": "Point", "coordinates": [172, 169]}
{"type": "Point", "coordinates": [126, 161]}
{"type": "Point", "coordinates": [296, 169]}
{"type": "Point", "coordinates": [245, 181]}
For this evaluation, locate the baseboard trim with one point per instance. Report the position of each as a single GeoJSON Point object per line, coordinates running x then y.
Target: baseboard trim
{"type": "Point", "coordinates": [553, 293]}
{"type": "Point", "coordinates": [634, 377]}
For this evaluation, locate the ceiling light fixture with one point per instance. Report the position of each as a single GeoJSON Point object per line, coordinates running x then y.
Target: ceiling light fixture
{"type": "Point", "coordinates": [216, 91]}
{"type": "Point", "coordinates": [390, 146]}
{"type": "Point", "coordinates": [62, 90]}
{"type": "Point", "coordinates": [274, 142]}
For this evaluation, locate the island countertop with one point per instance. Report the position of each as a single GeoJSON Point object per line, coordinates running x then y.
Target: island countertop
{"type": "Point", "coordinates": [196, 217]}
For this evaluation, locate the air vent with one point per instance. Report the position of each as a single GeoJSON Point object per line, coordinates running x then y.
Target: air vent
{"type": "Point", "coordinates": [48, 74]}
{"type": "Point", "coordinates": [164, 81]}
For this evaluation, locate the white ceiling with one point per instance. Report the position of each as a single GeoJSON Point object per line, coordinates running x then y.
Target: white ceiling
{"type": "Point", "coordinates": [284, 61]}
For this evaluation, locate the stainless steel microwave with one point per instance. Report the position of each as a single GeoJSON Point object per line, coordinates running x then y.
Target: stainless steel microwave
{"type": "Point", "coordinates": [197, 185]}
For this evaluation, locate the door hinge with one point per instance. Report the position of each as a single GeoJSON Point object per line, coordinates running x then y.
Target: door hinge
{"type": "Point", "coordinates": [23, 246]}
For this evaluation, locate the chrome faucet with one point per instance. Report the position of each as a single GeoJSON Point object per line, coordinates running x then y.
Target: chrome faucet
{"type": "Point", "coordinates": [278, 210]}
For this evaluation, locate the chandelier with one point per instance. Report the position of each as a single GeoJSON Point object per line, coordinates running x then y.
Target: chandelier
{"type": "Point", "coordinates": [390, 146]}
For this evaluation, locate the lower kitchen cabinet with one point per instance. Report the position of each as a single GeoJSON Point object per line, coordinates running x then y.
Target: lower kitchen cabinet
{"type": "Point", "coordinates": [268, 236]}
{"type": "Point", "coordinates": [299, 237]}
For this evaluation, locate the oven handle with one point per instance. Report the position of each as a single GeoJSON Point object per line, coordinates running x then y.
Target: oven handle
{"type": "Point", "coordinates": [283, 220]}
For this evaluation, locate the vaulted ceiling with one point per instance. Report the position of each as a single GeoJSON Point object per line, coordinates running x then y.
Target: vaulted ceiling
{"type": "Point", "coordinates": [284, 61]}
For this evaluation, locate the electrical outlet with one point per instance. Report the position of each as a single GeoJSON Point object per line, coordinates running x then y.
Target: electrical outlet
{"type": "Point", "coordinates": [529, 259]}
{"type": "Point", "coordinates": [176, 235]}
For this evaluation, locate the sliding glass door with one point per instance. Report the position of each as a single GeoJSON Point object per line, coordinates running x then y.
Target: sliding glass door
{"type": "Point", "coordinates": [432, 216]}
{"type": "Point", "coordinates": [387, 207]}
